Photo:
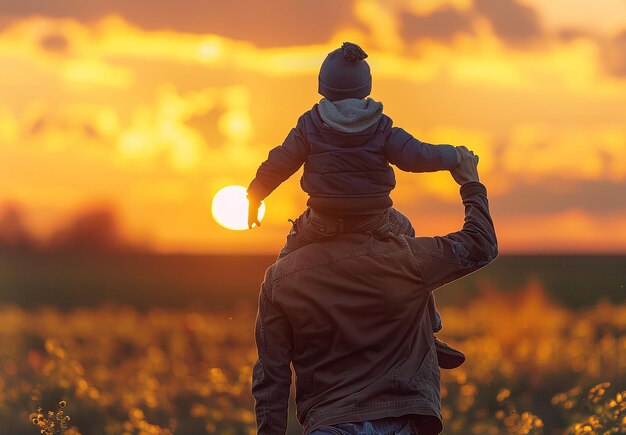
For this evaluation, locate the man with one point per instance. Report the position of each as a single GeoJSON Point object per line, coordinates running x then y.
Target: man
{"type": "Point", "coordinates": [350, 314]}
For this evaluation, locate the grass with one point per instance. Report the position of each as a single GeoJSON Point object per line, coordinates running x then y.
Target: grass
{"type": "Point", "coordinates": [532, 367]}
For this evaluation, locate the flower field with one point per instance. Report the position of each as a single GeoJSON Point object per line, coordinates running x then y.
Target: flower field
{"type": "Point", "coordinates": [532, 367]}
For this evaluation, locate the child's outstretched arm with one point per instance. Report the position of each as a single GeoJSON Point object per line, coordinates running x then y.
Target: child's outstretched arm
{"type": "Point", "coordinates": [282, 162]}
{"type": "Point", "coordinates": [412, 155]}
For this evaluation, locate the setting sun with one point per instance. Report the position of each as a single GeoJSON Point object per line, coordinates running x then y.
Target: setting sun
{"type": "Point", "coordinates": [230, 208]}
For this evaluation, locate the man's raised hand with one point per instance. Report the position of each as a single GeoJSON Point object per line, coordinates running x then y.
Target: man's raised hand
{"type": "Point", "coordinates": [468, 169]}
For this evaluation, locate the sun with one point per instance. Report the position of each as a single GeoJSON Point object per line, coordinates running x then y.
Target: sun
{"type": "Point", "coordinates": [230, 208]}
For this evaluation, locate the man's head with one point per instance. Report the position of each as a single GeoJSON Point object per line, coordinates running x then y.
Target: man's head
{"type": "Point", "coordinates": [345, 74]}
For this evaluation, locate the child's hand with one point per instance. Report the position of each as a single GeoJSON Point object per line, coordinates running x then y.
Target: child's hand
{"type": "Point", "coordinates": [253, 213]}
{"type": "Point", "coordinates": [459, 156]}
{"type": "Point", "coordinates": [468, 169]}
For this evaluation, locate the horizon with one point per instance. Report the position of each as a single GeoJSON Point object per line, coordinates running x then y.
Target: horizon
{"type": "Point", "coordinates": [97, 232]}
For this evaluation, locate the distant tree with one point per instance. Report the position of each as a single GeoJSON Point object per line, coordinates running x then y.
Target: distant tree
{"type": "Point", "coordinates": [95, 230]}
{"type": "Point", "coordinates": [14, 235]}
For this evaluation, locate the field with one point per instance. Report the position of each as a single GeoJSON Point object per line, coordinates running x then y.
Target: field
{"type": "Point", "coordinates": [534, 365]}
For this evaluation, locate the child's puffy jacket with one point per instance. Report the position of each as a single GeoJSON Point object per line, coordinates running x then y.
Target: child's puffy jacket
{"type": "Point", "coordinates": [347, 173]}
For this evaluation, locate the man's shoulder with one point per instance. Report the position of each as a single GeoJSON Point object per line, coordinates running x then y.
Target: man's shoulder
{"type": "Point", "coordinates": [317, 256]}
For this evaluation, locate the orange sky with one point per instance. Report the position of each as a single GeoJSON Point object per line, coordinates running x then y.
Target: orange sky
{"type": "Point", "coordinates": [151, 107]}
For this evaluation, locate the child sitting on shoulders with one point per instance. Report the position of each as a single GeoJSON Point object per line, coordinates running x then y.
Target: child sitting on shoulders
{"type": "Point", "coordinates": [347, 144]}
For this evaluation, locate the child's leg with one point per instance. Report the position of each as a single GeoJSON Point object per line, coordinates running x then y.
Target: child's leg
{"type": "Point", "coordinates": [295, 238]}
{"type": "Point", "coordinates": [402, 225]}
{"type": "Point", "coordinates": [307, 228]}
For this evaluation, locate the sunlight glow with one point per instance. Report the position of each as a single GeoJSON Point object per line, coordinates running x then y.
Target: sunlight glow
{"type": "Point", "coordinates": [230, 208]}
{"type": "Point", "coordinates": [93, 108]}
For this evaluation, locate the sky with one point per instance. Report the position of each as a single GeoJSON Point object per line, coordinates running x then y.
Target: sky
{"type": "Point", "coordinates": [146, 109]}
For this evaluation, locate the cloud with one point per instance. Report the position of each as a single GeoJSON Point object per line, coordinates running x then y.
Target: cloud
{"type": "Point", "coordinates": [191, 130]}
{"type": "Point", "coordinates": [381, 22]}
{"type": "Point", "coordinates": [510, 20]}
{"type": "Point", "coordinates": [548, 196]}
{"type": "Point", "coordinates": [8, 125]}
{"type": "Point", "coordinates": [276, 23]}
{"type": "Point", "coordinates": [441, 24]}
{"type": "Point", "coordinates": [556, 196]}
{"type": "Point", "coordinates": [55, 43]}
{"type": "Point", "coordinates": [572, 231]}
{"type": "Point", "coordinates": [542, 152]}
{"type": "Point", "coordinates": [160, 130]}
{"type": "Point", "coordinates": [613, 55]}
{"type": "Point", "coordinates": [606, 17]}
{"type": "Point", "coordinates": [69, 126]}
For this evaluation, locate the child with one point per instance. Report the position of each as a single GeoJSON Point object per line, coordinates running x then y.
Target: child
{"type": "Point", "coordinates": [346, 145]}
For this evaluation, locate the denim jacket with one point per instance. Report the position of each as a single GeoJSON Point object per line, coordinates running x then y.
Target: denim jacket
{"type": "Point", "coordinates": [349, 313]}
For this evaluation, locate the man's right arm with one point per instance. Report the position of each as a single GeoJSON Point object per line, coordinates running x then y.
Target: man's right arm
{"type": "Point", "coordinates": [445, 259]}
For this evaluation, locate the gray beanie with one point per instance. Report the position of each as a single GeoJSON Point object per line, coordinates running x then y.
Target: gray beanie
{"type": "Point", "coordinates": [345, 74]}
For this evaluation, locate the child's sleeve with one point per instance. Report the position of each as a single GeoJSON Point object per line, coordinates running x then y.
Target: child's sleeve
{"type": "Point", "coordinates": [282, 162]}
{"type": "Point", "coordinates": [412, 155]}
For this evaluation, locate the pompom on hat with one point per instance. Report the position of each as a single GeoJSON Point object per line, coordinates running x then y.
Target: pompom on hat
{"type": "Point", "coordinates": [345, 74]}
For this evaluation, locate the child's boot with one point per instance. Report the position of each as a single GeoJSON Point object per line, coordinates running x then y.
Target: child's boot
{"type": "Point", "coordinates": [448, 357]}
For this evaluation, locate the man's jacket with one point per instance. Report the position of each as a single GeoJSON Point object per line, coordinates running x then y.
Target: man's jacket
{"type": "Point", "coordinates": [350, 314]}
{"type": "Point", "coordinates": [348, 172]}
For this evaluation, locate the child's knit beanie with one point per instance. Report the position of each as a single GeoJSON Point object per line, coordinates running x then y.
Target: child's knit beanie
{"type": "Point", "coordinates": [345, 74]}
